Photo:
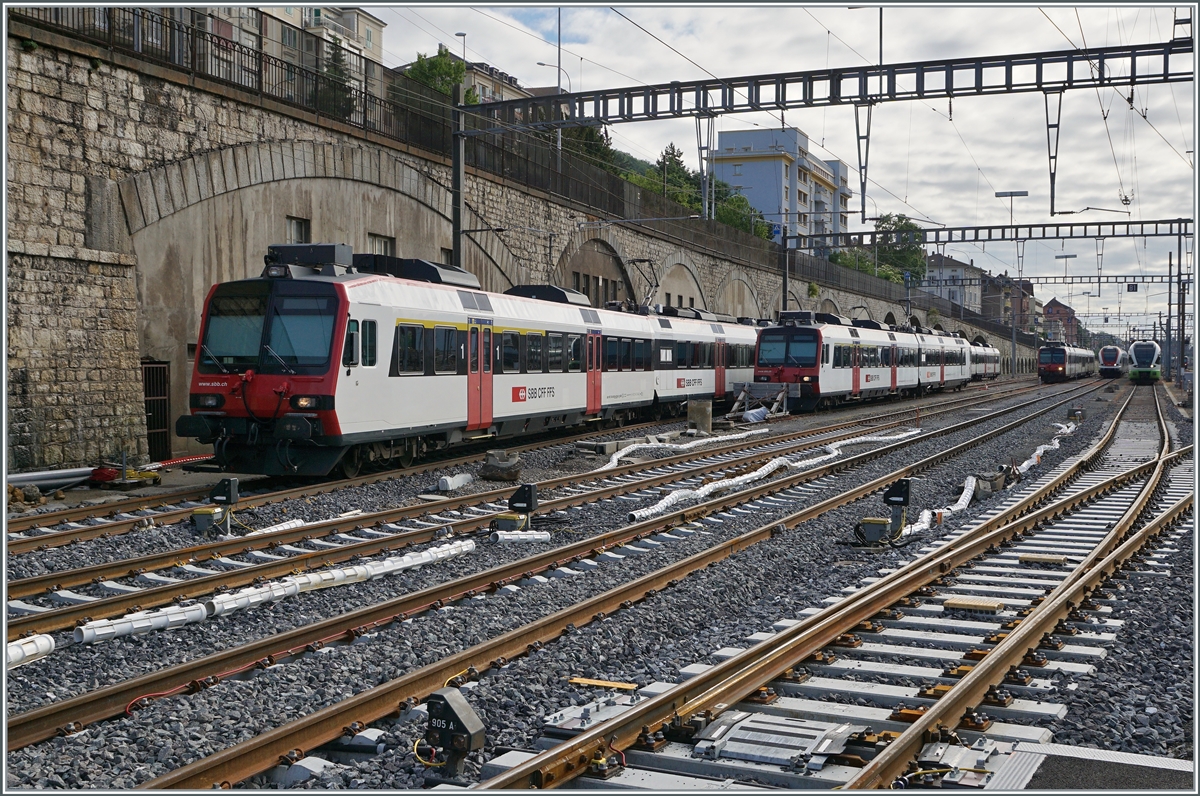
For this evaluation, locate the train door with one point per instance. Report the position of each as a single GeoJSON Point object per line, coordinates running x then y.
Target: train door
{"type": "Point", "coordinates": [719, 365]}
{"type": "Point", "coordinates": [942, 356]}
{"type": "Point", "coordinates": [854, 383]}
{"type": "Point", "coordinates": [479, 377]}
{"type": "Point", "coordinates": [594, 354]}
{"type": "Point", "coordinates": [892, 361]}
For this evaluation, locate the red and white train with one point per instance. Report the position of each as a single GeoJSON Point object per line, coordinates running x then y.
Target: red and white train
{"type": "Point", "coordinates": [427, 360]}
{"type": "Point", "coordinates": [1114, 362]}
{"type": "Point", "coordinates": [826, 359]}
{"type": "Point", "coordinates": [1059, 362]}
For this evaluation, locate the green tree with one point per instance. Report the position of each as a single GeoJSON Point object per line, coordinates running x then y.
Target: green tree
{"type": "Point", "coordinates": [901, 257]}
{"type": "Point", "coordinates": [333, 95]}
{"type": "Point", "coordinates": [441, 72]}
{"type": "Point", "coordinates": [863, 259]}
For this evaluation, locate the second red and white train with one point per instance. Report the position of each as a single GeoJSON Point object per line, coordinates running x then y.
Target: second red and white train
{"type": "Point", "coordinates": [825, 359]}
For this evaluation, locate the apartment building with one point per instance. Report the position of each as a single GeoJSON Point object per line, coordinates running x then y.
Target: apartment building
{"type": "Point", "coordinates": [957, 282]}
{"type": "Point", "coordinates": [794, 190]}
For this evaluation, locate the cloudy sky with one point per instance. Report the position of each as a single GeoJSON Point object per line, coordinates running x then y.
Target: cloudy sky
{"type": "Point", "coordinates": [927, 160]}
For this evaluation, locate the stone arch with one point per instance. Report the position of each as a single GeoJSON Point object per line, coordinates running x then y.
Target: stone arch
{"type": "Point", "coordinates": [830, 306]}
{"type": "Point", "coordinates": [596, 268]}
{"type": "Point", "coordinates": [156, 194]}
{"type": "Point", "coordinates": [736, 296]}
{"type": "Point", "coordinates": [681, 279]}
{"type": "Point", "coordinates": [981, 340]}
{"type": "Point", "coordinates": [961, 332]}
{"type": "Point", "coordinates": [937, 327]}
{"type": "Point", "coordinates": [860, 311]}
{"type": "Point", "coordinates": [890, 319]}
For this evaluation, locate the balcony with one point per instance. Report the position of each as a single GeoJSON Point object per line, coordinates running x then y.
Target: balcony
{"type": "Point", "coordinates": [314, 20]}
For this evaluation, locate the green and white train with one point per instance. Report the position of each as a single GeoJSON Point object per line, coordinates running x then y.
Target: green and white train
{"type": "Point", "coordinates": [1145, 362]}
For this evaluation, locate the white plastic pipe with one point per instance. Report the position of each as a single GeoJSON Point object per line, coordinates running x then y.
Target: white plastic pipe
{"type": "Point", "coordinates": [926, 516]}
{"type": "Point", "coordinates": [660, 446]}
{"type": "Point", "coordinates": [142, 622]}
{"type": "Point", "coordinates": [26, 650]}
{"type": "Point", "coordinates": [248, 598]}
{"type": "Point", "coordinates": [283, 526]}
{"type": "Point", "coordinates": [520, 536]}
{"type": "Point", "coordinates": [833, 451]}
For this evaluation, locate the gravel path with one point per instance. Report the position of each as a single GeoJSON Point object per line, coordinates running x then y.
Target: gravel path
{"type": "Point", "coordinates": [650, 641]}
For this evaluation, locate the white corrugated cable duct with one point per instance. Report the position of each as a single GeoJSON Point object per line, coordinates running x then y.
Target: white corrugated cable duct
{"type": "Point", "coordinates": [833, 450]}
{"type": "Point", "coordinates": [687, 446]}
{"type": "Point", "coordinates": [1064, 430]}
{"type": "Point", "coordinates": [139, 623]}
{"type": "Point", "coordinates": [520, 536]}
{"type": "Point", "coordinates": [222, 604]}
{"type": "Point", "coordinates": [926, 519]}
{"type": "Point", "coordinates": [27, 650]}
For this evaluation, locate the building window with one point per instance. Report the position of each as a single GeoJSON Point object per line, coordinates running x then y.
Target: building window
{"type": "Point", "coordinates": [575, 281]}
{"type": "Point", "coordinates": [289, 37]}
{"type": "Point", "coordinates": [668, 301]}
{"type": "Point", "coordinates": [288, 10]}
{"type": "Point", "coordinates": [381, 244]}
{"type": "Point", "coordinates": [370, 39]}
{"type": "Point", "coordinates": [802, 197]}
{"type": "Point", "coordinates": [679, 300]}
{"type": "Point", "coordinates": [737, 169]}
{"type": "Point", "coordinates": [299, 230]}
{"type": "Point", "coordinates": [844, 220]}
{"type": "Point", "coordinates": [448, 256]}
{"type": "Point", "coordinates": [691, 301]}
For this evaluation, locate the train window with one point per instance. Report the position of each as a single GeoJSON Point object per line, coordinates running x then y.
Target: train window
{"type": "Point", "coordinates": [681, 360]}
{"type": "Point", "coordinates": [709, 354]}
{"type": "Point", "coordinates": [639, 354]}
{"type": "Point", "coordinates": [370, 344]}
{"type": "Point", "coordinates": [692, 356]}
{"type": "Point", "coordinates": [445, 350]}
{"type": "Point", "coordinates": [626, 354]}
{"type": "Point", "coordinates": [554, 352]}
{"type": "Point", "coordinates": [610, 353]}
{"type": "Point", "coordinates": [885, 357]}
{"type": "Point", "coordinates": [486, 353]}
{"type": "Point", "coordinates": [574, 353]}
{"type": "Point", "coordinates": [533, 353]}
{"type": "Point", "coordinates": [350, 348]}
{"type": "Point", "coordinates": [474, 349]}
{"type": "Point", "coordinates": [510, 354]}
{"type": "Point", "coordinates": [666, 354]}
{"type": "Point", "coordinates": [408, 351]}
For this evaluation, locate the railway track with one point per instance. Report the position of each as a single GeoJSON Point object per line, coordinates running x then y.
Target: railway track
{"type": "Point", "coordinates": [581, 617]}
{"type": "Point", "coordinates": [52, 529]}
{"type": "Point", "coordinates": [131, 585]}
{"type": "Point", "coordinates": [981, 620]}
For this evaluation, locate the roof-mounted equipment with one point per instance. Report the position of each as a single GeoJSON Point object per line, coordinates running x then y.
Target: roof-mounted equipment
{"type": "Point", "coordinates": [416, 270]}
{"type": "Point", "coordinates": [559, 295]}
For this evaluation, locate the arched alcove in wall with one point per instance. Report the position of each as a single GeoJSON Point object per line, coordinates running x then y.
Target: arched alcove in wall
{"type": "Point", "coordinates": [681, 288]}
{"type": "Point", "coordinates": [737, 297]}
{"type": "Point", "coordinates": [595, 269]}
{"type": "Point", "coordinates": [890, 319]}
{"type": "Point", "coordinates": [828, 305]}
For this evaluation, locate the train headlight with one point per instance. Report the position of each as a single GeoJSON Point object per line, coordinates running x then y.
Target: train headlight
{"type": "Point", "coordinates": [208, 401]}
{"type": "Point", "coordinates": [306, 401]}
{"type": "Point", "coordinates": [808, 378]}
{"type": "Point", "coordinates": [278, 271]}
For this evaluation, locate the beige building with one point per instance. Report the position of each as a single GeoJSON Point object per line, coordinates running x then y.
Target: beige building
{"type": "Point", "coordinates": [957, 282]}
{"type": "Point", "coordinates": [354, 29]}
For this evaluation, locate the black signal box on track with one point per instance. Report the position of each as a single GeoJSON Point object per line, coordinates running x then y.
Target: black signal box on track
{"type": "Point", "coordinates": [524, 499]}
{"type": "Point", "coordinates": [897, 494]}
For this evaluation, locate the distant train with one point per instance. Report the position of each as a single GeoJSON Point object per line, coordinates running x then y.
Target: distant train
{"type": "Point", "coordinates": [826, 359]}
{"type": "Point", "coordinates": [1114, 362]}
{"type": "Point", "coordinates": [1145, 366]}
{"type": "Point", "coordinates": [331, 360]}
{"type": "Point", "coordinates": [1060, 362]}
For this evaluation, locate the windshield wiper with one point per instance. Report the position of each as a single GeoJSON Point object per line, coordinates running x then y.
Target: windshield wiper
{"type": "Point", "coordinates": [279, 359]}
{"type": "Point", "coordinates": [213, 357]}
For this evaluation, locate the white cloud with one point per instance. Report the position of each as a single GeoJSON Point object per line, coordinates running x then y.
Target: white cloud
{"type": "Point", "coordinates": [945, 170]}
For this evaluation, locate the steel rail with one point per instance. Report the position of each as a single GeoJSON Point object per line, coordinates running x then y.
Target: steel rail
{"type": "Point", "coordinates": [119, 527]}
{"type": "Point", "coordinates": [45, 722]}
{"type": "Point", "coordinates": [111, 606]}
{"type": "Point", "coordinates": [250, 757]}
{"type": "Point", "coordinates": [893, 761]}
{"type": "Point", "coordinates": [727, 683]}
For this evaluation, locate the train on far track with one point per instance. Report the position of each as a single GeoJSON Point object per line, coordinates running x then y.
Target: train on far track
{"type": "Point", "coordinates": [1060, 362]}
{"type": "Point", "coordinates": [1114, 362]}
{"type": "Point", "coordinates": [1145, 362]}
{"type": "Point", "coordinates": [822, 359]}
{"type": "Point", "coordinates": [331, 361]}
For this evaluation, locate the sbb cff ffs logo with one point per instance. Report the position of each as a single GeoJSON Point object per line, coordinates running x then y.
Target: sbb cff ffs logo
{"type": "Point", "coordinates": [682, 383]}
{"type": "Point", "coordinates": [523, 394]}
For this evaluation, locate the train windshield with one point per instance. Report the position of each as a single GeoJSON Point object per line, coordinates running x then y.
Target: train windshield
{"type": "Point", "coordinates": [1143, 354]}
{"type": "Point", "coordinates": [795, 350]}
{"type": "Point", "coordinates": [297, 320]}
{"type": "Point", "coordinates": [1055, 356]}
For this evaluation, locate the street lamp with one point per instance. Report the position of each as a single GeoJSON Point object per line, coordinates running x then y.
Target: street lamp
{"type": "Point", "coordinates": [565, 73]}
{"type": "Point", "coordinates": [1009, 195]}
{"type": "Point", "coordinates": [463, 36]}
